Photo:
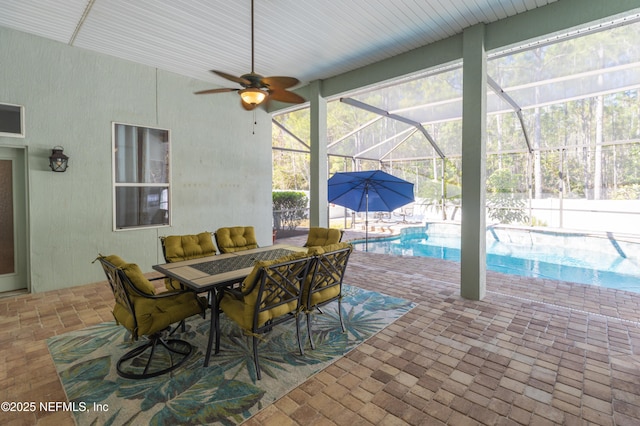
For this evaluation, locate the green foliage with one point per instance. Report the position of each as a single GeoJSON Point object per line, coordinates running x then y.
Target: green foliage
{"type": "Point", "coordinates": [505, 208]}
{"type": "Point", "coordinates": [586, 147]}
{"type": "Point", "coordinates": [537, 222]}
{"type": "Point", "coordinates": [430, 190]}
{"type": "Point", "coordinates": [289, 209]}
{"type": "Point", "coordinates": [630, 192]}
{"type": "Point", "coordinates": [291, 162]}
{"type": "Point", "coordinates": [503, 181]}
{"type": "Point", "coordinates": [501, 203]}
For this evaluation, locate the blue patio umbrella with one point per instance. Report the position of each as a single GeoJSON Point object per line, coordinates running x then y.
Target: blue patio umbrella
{"type": "Point", "coordinates": [370, 190]}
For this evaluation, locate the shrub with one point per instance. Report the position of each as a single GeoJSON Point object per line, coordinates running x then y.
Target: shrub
{"type": "Point", "coordinates": [289, 209]}
{"type": "Point", "coordinates": [628, 192]}
{"type": "Point", "coordinates": [537, 222]}
{"type": "Point", "coordinates": [502, 204]}
{"type": "Point", "coordinates": [506, 208]}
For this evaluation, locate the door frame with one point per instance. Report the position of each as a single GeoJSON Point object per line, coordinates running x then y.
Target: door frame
{"type": "Point", "coordinates": [19, 156]}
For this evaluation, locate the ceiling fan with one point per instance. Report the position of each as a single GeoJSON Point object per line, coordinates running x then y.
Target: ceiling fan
{"type": "Point", "coordinates": [256, 88]}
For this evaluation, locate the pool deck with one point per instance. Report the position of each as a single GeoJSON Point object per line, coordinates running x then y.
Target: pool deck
{"type": "Point", "coordinates": [533, 351]}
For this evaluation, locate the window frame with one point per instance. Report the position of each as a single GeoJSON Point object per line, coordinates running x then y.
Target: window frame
{"type": "Point", "coordinates": [20, 109]}
{"type": "Point", "coordinates": [115, 184]}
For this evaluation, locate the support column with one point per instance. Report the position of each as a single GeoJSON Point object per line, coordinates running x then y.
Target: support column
{"type": "Point", "coordinates": [318, 211]}
{"type": "Point", "coordinates": [474, 107]}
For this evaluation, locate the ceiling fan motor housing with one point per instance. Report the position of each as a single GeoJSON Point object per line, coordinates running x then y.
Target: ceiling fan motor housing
{"type": "Point", "coordinates": [255, 80]}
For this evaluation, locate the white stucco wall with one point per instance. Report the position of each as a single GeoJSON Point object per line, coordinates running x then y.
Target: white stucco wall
{"type": "Point", "coordinates": [221, 170]}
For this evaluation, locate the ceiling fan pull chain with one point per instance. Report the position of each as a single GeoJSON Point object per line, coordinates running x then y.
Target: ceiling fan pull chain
{"type": "Point", "coordinates": [255, 122]}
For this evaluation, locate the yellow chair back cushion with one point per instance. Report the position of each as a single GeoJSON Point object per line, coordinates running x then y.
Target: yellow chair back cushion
{"type": "Point", "coordinates": [186, 247]}
{"type": "Point", "coordinates": [323, 236]}
{"type": "Point", "coordinates": [327, 248]}
{"type": "Point", "coordinates": [115, 260]}
{"type": "Point", "coordinates": [236, 238]}
{"type": "Point", "coordinates": [137, 278]}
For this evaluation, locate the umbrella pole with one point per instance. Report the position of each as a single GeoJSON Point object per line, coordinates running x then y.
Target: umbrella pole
{"type": "Point", "coordinates": [366, 219]}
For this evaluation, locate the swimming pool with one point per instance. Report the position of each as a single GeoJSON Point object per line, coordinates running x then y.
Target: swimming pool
{"type": "Point", "coordinates": [596, 259]}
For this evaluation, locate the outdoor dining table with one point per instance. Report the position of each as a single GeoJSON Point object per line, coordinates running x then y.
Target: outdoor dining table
{"type": "Point", "coordinates": [211, 274]}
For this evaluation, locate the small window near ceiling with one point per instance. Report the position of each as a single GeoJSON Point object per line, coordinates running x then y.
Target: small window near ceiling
{"type": "Point", "coordinates": [141, 185]}
{"type": "Point", "coordinates": [11, 120]}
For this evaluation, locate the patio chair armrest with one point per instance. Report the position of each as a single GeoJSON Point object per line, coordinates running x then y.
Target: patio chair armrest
{"type": "Point", "coordinates": [233, 292]}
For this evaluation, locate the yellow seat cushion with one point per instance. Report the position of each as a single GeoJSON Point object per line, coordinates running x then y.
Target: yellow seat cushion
{"type": "Point", "coordinates": [322, 295]}
{"type": "Point", "coordinates": [236, 238]}
{"type": "Point", "coordinates": [157, 314]}
{"type": "Point", "coordinates": [242, 310]}
{"type": "Point", "coordinates": [323, 236]}
{"type": "Point", "coordinates": [242, 314]}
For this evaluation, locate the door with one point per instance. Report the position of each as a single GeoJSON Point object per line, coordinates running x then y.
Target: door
{"type": "Point", "coordinates": [13, 220]}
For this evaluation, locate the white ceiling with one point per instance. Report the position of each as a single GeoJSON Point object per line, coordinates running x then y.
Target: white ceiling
{"type": "Point", "coordinates": [306, 39]}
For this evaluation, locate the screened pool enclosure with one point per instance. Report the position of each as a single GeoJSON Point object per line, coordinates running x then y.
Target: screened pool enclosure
{"type": "Point", "coordinates": [563, 133]}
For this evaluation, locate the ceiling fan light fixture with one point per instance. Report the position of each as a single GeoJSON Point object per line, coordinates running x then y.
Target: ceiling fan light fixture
{"type": "Point", "coordinates": [253, 95]}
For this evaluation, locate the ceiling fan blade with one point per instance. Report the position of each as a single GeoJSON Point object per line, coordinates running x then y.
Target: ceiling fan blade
{"type": "Point", "coordinates": [286, 96]}
{"type": "Point", "coordinates": [204, 92]}
{"type": "Point", "coordinates": [280, 82]}
{"type": "Point", "coordinates": [239, 80]}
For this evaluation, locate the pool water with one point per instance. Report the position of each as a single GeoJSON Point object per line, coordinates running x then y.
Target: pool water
{"type": "Point", "coordinates": [553, 261]}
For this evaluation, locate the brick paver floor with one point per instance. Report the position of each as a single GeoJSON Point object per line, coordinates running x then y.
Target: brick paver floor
{"type": "Point", "coordinates": [533, 351]}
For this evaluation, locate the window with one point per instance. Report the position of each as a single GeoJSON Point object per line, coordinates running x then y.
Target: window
{"type": "Point", "coordinates": [11, 120]}
{"type": "Point", "coordinates": [141, 188]}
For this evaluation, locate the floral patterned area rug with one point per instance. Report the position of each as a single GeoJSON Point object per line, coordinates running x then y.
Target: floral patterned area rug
{"type": "Point", "coordinates": [227, 391]}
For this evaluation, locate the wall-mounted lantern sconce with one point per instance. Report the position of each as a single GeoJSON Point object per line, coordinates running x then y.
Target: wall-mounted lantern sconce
{"type": "Point", "coordinates": [58, 161]}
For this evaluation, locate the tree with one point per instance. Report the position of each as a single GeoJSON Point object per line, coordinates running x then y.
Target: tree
{"type": "Point", "coordinates": [591, 138]}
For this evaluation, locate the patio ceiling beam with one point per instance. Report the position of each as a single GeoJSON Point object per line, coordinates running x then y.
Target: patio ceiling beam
{"type": "Point", "coordinates": [384, 142]}
{"type": "Point", "coordinates": [516, 108]}
{"type": "Point", "coordinates": [299, 151]}
{"type": "Point", "coordinates": [457, 156]}
{"type": "Point", "coordinates": [83, 18]}
{"type": "Point", "coordinates": [396, 146]}
{"type": "Point", "coordinates": [412, 159]}
{"type": "Point", "coordinates": [287, 131]}
{"type": "Point", "coordinates": [354, 131]}
{"type": "Point", "coordinates": [351, 157]}
{"type": "Point", "coordinates": [371, 108]}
